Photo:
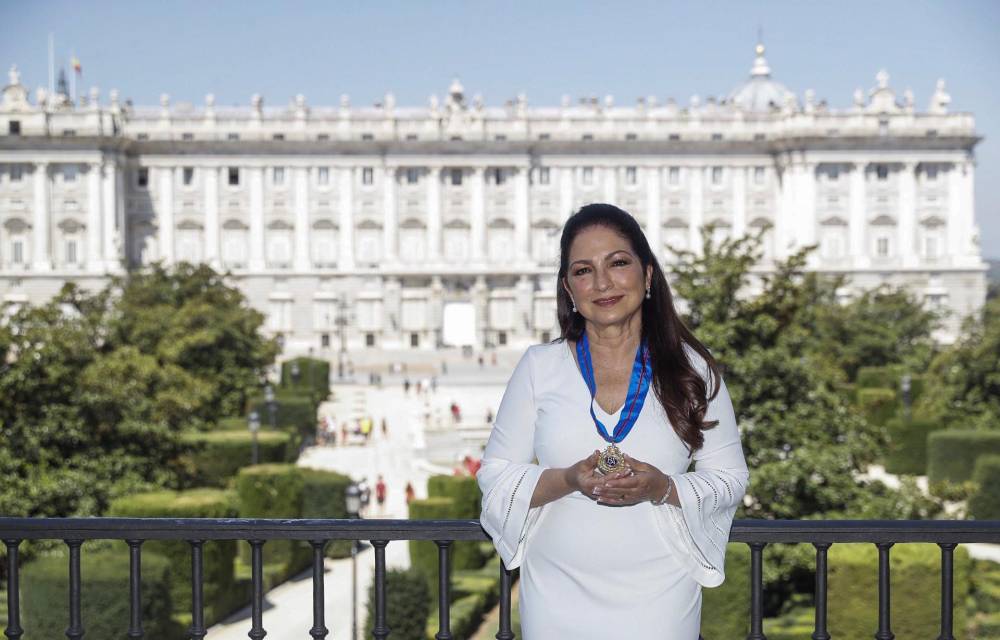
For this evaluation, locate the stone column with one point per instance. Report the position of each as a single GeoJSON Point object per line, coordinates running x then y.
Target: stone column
{"type": "Point", "coordinates": [94, 217]}
{"type": "Point", "coordinates": [256, 182]}
{"type": "Point", "coordinates": [908, 215]}
{"type": "Point", "coordinates": [434, 214]}
{"type": "Point", "coordinates": [212, 226]}
{"type": "Point", "coordinates": [858, 220]}
{"type": "Point", "coordinates": [390, 223]}
{"type": "Point", "coordinates": [41, 257]}
{"type": "Point", "coordinates": [301, 261]}
{"type": "Point", "coordinates": [696, 195]}
{"type": "Point", "coordinates": [521, 239]}
{"type": "Point", "coordinates": [566, 193]}
{"type": "Point", "coordinates": [654, 224]}
{"type": "Point", "coordinates": [478, 222]}
{"type": "Point", "coordinates": [109, 176]}
{"type": "Point", "coordinates": [611, 185]}
{"type": "Point", "coordinates": [805, 209]}
{"type": "Point", "coordinates": [739, 202]}
{"type": "Point", "coordinates": [967, 218]}
{"type": "Point", "coordinates": [345, 259]}
{"type": "Point", "coordinates": [165, 214]}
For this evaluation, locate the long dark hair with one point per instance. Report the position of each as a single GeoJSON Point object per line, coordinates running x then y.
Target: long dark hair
{"type": "Point", "coordinates": [678, 386]}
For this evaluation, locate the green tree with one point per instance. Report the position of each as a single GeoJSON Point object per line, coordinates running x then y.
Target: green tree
{"type": "Point", "coordinates": [964, 389]}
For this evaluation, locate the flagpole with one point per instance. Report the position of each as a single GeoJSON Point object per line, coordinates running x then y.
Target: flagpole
{"type": "Point", "coordinates": [52, 65]}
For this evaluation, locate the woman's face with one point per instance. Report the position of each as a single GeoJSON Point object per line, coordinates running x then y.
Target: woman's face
{"type": "Point", "coordinates": [605, 277]}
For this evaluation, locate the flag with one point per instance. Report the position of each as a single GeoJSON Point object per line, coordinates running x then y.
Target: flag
{"type": "Point", "coordinates": [75, 62]}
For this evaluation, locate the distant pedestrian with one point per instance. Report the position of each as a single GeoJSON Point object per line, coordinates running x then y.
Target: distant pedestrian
{"type": "Point", "coordinates": [481, 361]}
{"type": "Point", "coordinates": [385, 428]}
{"type": "Point", "coordinates": [409, 493]}
{"type": "Point", "coordinates": [380, 494]}
{"type": "Point", "coordinates": [406, 385]}
{"type": "Point", "coordinates": [343, 434]}
{"type": "Point", "coordinates": [444, 368]}
{"type": "Point", "coordinates": [434, 384]}
{"type": "Point", "coordinates": [489, 416]}
{"type": "Point", "coordinates": [493, 358]}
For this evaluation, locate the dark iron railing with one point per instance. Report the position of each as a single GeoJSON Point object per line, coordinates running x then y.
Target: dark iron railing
{"type": "Point", "coordinates": [755, 533]}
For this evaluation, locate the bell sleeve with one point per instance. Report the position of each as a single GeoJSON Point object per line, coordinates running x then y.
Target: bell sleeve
{"type": "Point", "coordinates": [698, 530]}
{"type": "Point", "coordinates": [509, 474]}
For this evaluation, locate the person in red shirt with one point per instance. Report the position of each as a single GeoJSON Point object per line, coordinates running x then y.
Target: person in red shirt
{"type": "Point", "coordinates": [380, 494]}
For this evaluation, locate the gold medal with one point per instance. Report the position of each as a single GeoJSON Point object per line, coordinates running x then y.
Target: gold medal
{"type": "Point", "coordinates": [611, 460]}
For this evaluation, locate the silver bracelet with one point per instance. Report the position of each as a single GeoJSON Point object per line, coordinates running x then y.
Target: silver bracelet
{"type": "Point", "coordinates": [662, 501]}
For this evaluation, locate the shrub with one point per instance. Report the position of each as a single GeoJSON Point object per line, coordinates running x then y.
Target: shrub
{"type": "Point", "coordinates": [908, 445]}
{"type": "Point", "coordinates": [218, 555]}
{"type": "Point", "coordinates": [852, 584]}
{"type": "Point", "coordinates": [232, 423]}
{"type": "Point", "coordinates": [407, 605]}
{"type": "Point", "coordinates": [274, 491]}
{"type": "Point", "coordinates": [466, 501]}
{"type": "Point", "coordinates": [313, 374]}
{"type": "Point", "coordinates": [952, 453]}
{"type": "Point", "coordinates": [724, 612]}
{"type": "Point", "coordinates": [104, 581]}
{"type": "Point", "coordinates": [324, 496]}
{"type": "Point", "coordinates": [295, 413]}
{"type": "Point", "coordinates": [213, 458]}
{"type": "Point", "coordinates": [424, 553]}
{"type": "Point", "coordinates": [877, 405]}
{"type": "Point", "coordinates": [985, 502]}
{"type": "Point", "coordinates": [879, 377]}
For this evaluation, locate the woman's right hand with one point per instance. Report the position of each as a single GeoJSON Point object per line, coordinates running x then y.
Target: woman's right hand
{"type": "Point", "coordinates": [584, 476]}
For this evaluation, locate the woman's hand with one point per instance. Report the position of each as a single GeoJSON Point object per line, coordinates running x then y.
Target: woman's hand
{"type": "Point", "coordinates": [644, 482]}
{"type": "Point", "coordinates": [584, 477]}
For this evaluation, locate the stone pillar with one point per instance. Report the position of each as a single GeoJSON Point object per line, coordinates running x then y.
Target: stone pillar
{"type": "Point", "coordinates": [908, 215]}
{"type": "Point", "coordinates": [805, 210]}
{"type": "Point", "coordinates": [566, 192]}
{"type": "Point", "coordinates": [611, 185]}
{"type": "Point", "coordinates": [478, 222]}
{"type": "Point", "coordinates": [165, 214]}
{"type": "Point", "coordinates": [109, 177]}
{"type": "Point", "coordinates": [739, 202]}
{"type": "Point", "coordinates": [41, 257]}
{"type": "Point", "coordinates": [521, 239]}
{"type": "Point", "coordinates": [654, 224]}
{"type": "Point", "coordinates": [696, 195]}
{"type": "Point", "coordinates": [967, 219]}
{"type": "Point", "coordinates": [345, 259]}
{"type": "Point", "coordinates": [434, 214]}
{"type": "Point", "coordinates": [94, 217]}
{"type": "Point", "coordinates": [301, 261]}
{"type": "Point", "coordinates": [390, 224]}
{"type": "Point", "coordinates": [212, 226]}
{"type": "Point", "coordinates": [256, 181]}
{"type": "Point", "coordinates": [525, 299]}
{"type": "Point", "coordinates": [858, 220]}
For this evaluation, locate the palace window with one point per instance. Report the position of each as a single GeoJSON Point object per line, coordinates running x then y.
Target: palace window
{"type": "Point", "coordinates": [71, 251]}
{"type": "Point", "coordinates": [323, 176]}
{"type": "Point", "coordinates": [500, 137]}
{"type": "Point", "coordinates": [187, 175]}
{"type": "Point", "coordinates": [499, 175]}
{"type": "Point", "coordinates": [142, 178]}
{"type": "Point", "coordinates": [758, 175]}
{"type": "Point", "coordinates": [367, 136]}
{"type": "Point", "coordinates": [412, 175]}
{"type": "Point", "coordinates": [187, 136]}
{"type": "Point", "coordinates": [674, 136]}
{"type": "Point", "coordinates": [17, 251]}
{"type": "Point", "coordinates": [882, 172]}
{"type": "Point", "coordinates": [544, 176]}
{"type": "Point", "coordinates": [544, 136]}
{"type": "Point", "coordinates": [674, 175]}
{"type": "Point", "coordinates": [631, 136]}
{"type": "Point", "coordinates": [142, 136]}
{"type": "Point", "coordinates": [931, 172]}
{"type": "Point", "coordinates": [882, 247]}
{"type": "Point", "coordinates": [716, 136]}
{"type": "Point", "coordinates": [588, 136]}
{"type": "Point", "coordinates": [369, 339]}
{"type": "Point", "coordinates": [716, 175]}
{"type": "Point", "coordinates": [278, 136]}
{"type": "Point", "coordinates": [367, 176]}
{"type": "Point", "coordinates": [278, 175]}
{"type": "Point", "coordinates": [14, 127]}
{"type": "Point", "coordinates": [323, 137]}
{"type": "Point", "coordinates": [411, 136]}
{"type": "Point", "coordinates": [630, 175]}
{"type": "Point", "coordinates": [16, 172]}
{"type": "Point", "coordinates": [232, 136]}
{"type": "Point", "coordinates": [588, 175]}
{"type": "Point", "coordinates": [234, 176]}
{"type": "Point", "coordinates": [456, 177]}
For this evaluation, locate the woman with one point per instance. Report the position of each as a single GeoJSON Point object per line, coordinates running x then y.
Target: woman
{"type": "Point", "coordinates": [613, 541]}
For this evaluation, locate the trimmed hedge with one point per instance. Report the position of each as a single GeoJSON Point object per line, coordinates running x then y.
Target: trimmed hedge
{"type": "Point", "coordinates": [324, 495]}
{"type": "Point", "coordinates": [232, 423]}
{"type": "Point", "coordinates": [878, 406]}
{"type": "Point", "coordinates": [215, 457]}
{"type": "Point", "coordinates": [466, 503]}
{"type": "Point", "coordinates": [473, 596]}
{"type": "Point", "coordinates": [852, 585]}
{"type": "Point", "coordinates": [985, 503]}
{"type": "Point", "coordinates": [294, 413]}
{"type": "Point", "coordinates": [274, 491]}
{"type": "Point", "coordinates": [313, 374]}
{"type": "Point", "coordinates": [880, 377]}
{"type": "Point", "coordinates": [908, 445]}
{"type": "Point", "coordinates": [220, 596]}
{"type": "Point", "coordinates": [424, 553]}
{"type": "Point", "coordinates": [407, 605]}
{"type": "Point", "coordinates": [724, 610]}
{"type": "Point", "coordinates": [104, 579]}
{"type": "Point", "coordinates": [952, 453]}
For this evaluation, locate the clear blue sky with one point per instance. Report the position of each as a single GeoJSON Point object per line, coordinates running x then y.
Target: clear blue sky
{"type": "Point", "coordinates": [323, 49]}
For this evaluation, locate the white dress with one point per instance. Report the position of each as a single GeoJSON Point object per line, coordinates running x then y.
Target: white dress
{"type": "Point", "coordinates": [590, 570]}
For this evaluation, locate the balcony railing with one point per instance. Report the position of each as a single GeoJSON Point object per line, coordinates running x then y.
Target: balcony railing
{"type": "Point", "coordinates": [755, 533]}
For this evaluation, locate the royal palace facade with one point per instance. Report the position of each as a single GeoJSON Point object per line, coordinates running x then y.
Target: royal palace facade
{"type": "Point", "coordinates": [411, 227]}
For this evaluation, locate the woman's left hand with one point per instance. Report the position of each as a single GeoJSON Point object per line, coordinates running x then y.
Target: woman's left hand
{"type": "Point", "coordinates": [646, 482]}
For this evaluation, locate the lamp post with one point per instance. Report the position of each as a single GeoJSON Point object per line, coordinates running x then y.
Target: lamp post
{"type": "Point", "coordinates": [353, 501]}
{"type": "Point", "coordinates": [905, 388]}
{"type": "Point", "coordinates": [271, 405]}
{"type": "Point", "coordinates": [253, 422]}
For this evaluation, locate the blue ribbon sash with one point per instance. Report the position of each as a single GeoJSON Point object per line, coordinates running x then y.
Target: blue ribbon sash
{"type": "Point", "coordinates": [642, 373]}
